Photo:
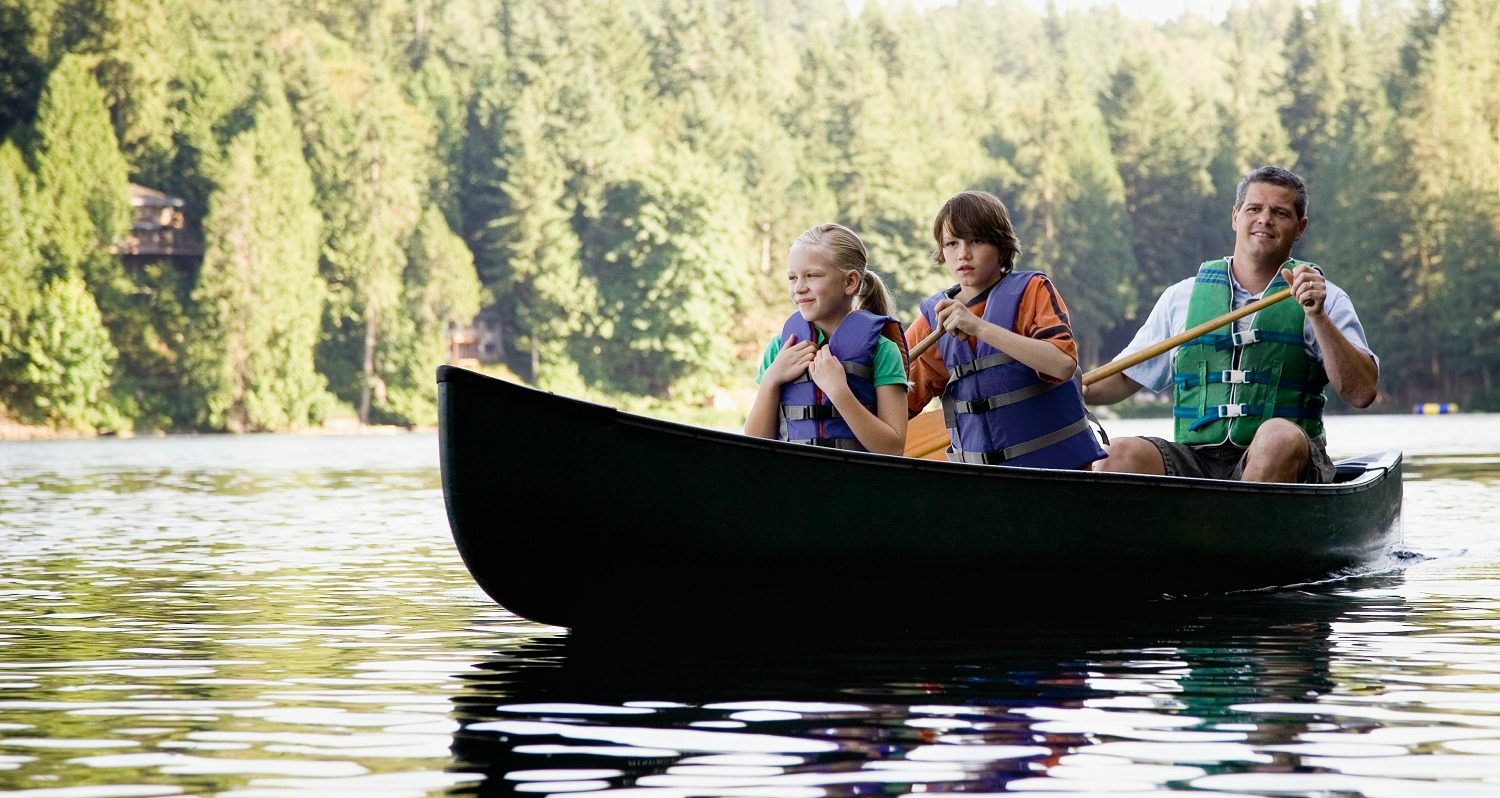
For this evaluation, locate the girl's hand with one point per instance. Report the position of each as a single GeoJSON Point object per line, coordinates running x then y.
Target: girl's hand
{"type": "Point", "coordinates": [955, 318]}
{"type": "Point", "coordinates": [790, 363]}
{"type": "Point", "coordinates": [828, 372]}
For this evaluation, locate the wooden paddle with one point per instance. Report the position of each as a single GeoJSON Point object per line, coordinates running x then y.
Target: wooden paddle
{"type": "Point", "coordinates": [932, 337]}
{"type": "Point", "coordinates": [1206, 327]}
{"type": "Point", "coordinates": [927, 434]}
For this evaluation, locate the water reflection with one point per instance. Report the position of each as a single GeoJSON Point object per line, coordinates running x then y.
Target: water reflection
{"type": "Point", "coordinates": [1141, 699]}
{"type": "Point", "coordinates": [272, 616]}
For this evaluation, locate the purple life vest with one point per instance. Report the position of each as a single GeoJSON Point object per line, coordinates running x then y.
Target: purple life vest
{"type": "Point", "coordinates": [807, 416]}
{"type": "Point", "coordinates": [999, 410]}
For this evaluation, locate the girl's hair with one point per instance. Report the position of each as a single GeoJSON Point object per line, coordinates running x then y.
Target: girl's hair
{"type": "Point", "coordinates": [977, 216]}
{"type": "Point", "coordinates": [848, 254]}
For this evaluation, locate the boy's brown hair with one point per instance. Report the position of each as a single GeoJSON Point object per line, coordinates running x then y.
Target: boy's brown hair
{"type": "Point", "coordinates": [977, 216]}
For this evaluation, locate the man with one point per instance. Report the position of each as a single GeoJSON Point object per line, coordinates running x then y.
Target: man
{"type": "Point", "coordinates": [1248, 405]}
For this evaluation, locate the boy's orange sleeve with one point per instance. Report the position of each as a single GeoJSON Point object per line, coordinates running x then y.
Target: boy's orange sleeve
{"type": "Point", "coordinates": [1043, 315]}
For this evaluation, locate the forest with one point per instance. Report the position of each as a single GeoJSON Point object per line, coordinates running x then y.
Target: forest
{"type": "Point", "coordinates": [617, 184]}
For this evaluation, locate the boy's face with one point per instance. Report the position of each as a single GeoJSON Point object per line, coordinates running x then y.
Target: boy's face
{"type": "Point", "coordinates": [975, 265]}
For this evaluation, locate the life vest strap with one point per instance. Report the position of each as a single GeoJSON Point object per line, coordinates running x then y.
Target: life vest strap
{"type": "Point", "coordinates": [866, 373]}
{"type": "Point", "coordinates": [989, 361]}
{"type": "Point", "coordinates": [1023, 448]}
{"type": "Point", "coordinates": [814, 412]}
{"type": "Point", "coordinates": [953, 407]}
{"type": "Point", "coordinates": [848, 444]}
{"type": "Point", "coordinates": [1237, 410]}
{"type": "Point", "coordinates": [1185, 380]}
{"type": "Point", "coordinates": [1222, 341]}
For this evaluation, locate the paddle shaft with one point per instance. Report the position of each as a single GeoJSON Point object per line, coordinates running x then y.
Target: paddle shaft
{"type": "Point", "coordinates": [1181, 338]}
{"type": "Point", "coordinates": [932, 337]}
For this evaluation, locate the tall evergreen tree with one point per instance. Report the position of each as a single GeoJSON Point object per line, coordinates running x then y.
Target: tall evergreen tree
{"type": "Point", "coordinates": [521, 224]}
{"type": "Point", "coordinates": [259, 296]}
{"type": "Point", "coordinates": [365, 145]}
{"type": "Point", "coordinates": [20, 275]}
{"type": "Point", "coordinates": [82, 183]}
{"type": "Point", "coordinates": [1072, 218]}
{"type": "Point", "coordinates": [1258, 89]}
{"type": "Point", "coordinates": [1454, 126]}
{"type": "Point", "coordinates": [440, 291]}
{"type": "Point", "coordinates": [81, 176]}
{"type": "Point", "coordinates": [1164, 171]}
{"type": "Point", "coordinates": [1318, 71]}
{"type": "Point", "coordinates": [25, 29]}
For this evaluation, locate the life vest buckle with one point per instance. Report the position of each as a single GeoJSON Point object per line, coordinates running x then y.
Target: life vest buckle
{"type": "Point", "coordinates": [1242, 337]}
{"type": "Point", "coordinates": [1231, 411]}
{"type": "Point", "coordinates": [1234, 377]}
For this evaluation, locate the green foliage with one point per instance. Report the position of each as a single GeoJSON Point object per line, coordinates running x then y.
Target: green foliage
{"type": "Point", "coordinates": [65, 360]}
{"type": "Point", "coordinates": [259, 297]}
{"type": "Point", "coordinates": [81, 175]}
{"type": "Point", "coordinates": [365, 146]}
{"type": "Point", "coordinates": [669, 261]}
{"type": "Point", "coordinates": [441, 293]}
{"type": "Point", "coordinates": [626, 179]}
{"type": "Point", "coordinates": [24, 31]}
{"type": "Point", "coordinates": [20, 284]}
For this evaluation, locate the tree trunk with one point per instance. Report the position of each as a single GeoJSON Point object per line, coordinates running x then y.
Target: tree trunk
{"type": "Point", "coordinates": [367, 366]}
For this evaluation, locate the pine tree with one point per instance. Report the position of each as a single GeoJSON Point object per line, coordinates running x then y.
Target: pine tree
{"type": "Point", "coordinates": [1164, 171]}
{"type": "Point", "coordinates": [1258, 89]}
{"type": "Point", "coordinates": [364, 145]}
{"type": "Point", "coordinates": [1318, 71]}
{"type": "Point", "coordinates": [65, 359]}
{"type": "Point", "coordinates": [81, 181]}
{"type": "Point", "coordinates": [82, 178]}
{"type": "Point", "coordinates": [25, 28]}
{"type": "Point", "coordinates": [20, 276]}
{"type": "Point", "coordinates": [440, 292]}
{"type": "Point", "coordinates": [1453, 124]}
{"type": "Point", "coordinates": [1071, 212]}
{"type": "Point", "coordinates": [259, 296]}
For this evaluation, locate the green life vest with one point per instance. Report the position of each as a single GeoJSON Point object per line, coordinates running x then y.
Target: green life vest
{"type": "Point", "coordinates": [1226, 384]}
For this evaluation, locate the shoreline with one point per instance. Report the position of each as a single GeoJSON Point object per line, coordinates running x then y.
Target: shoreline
{"type": "Point", "coordinates": [12, 431]}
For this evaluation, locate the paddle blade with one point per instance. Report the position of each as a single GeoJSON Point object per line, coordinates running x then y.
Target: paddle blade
{"type": "Point", "coordinates": [927, 437]}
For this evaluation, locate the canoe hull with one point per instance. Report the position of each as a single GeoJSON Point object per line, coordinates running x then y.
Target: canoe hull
{"type": "Point", "coordinates": [578, 515]}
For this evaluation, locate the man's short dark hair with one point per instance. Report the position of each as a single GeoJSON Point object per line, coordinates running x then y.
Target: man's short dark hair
{"type": "Point", "coordinates": [1276, 176]}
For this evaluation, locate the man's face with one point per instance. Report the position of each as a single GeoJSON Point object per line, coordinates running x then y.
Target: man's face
{"type": "Point", "coordinates": [1266, 224]}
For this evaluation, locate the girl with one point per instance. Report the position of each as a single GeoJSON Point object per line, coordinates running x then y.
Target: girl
{"type": "Point", "coordinates": [836, 375]}
{"type": "Point", "coordinates": [1005, 369]}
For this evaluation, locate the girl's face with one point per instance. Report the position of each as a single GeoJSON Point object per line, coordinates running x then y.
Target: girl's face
{"type": "Point", "coordinates": [974, 264]}
{"type": "Point", "coordinates": [822, 293]}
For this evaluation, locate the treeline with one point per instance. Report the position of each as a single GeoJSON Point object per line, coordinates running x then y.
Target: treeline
{"type": "Point", "coordinates": [617, 183]}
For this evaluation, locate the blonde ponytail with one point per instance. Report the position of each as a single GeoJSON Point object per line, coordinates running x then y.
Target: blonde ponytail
{"type": "Point", "coordinates": [872, 295]}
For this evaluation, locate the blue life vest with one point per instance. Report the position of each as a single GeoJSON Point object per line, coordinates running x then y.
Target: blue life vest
{"type": "Point", "coordinates": [807, 416]}
{"type": "Point", "coordinates": [999, 410]}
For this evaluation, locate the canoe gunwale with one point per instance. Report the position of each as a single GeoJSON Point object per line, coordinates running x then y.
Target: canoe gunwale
{"type": "Point", "coordinates": [1377, 464]}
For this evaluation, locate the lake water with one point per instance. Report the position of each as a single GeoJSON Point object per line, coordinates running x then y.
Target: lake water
{"type": "Point", "coordinates": [287, 616]}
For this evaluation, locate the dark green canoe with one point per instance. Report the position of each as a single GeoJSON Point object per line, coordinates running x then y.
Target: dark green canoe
{"type": "Point", "coordinates": [576, 514]}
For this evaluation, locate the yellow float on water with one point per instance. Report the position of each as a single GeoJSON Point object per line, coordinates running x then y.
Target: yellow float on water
{"type": "Point", "coordinates": [1434, 408]}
